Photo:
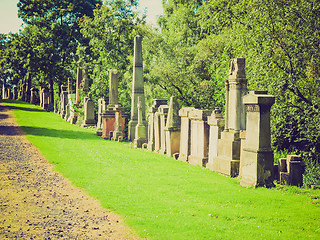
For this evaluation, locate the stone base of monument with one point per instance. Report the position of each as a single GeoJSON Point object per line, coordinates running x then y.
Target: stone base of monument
{"type": "Point", "coordinates": [257, 168]}
{"type": "Point", "coordinates": [137, 143]}
{"type": "Point", "coordinates": [199, 161]}
{"type": "Point", "coordinates": [99, 132]}
{"type": "Point", "coordinates": [228, 160]}
{"type": "Point", "coordinates": [88, 123]}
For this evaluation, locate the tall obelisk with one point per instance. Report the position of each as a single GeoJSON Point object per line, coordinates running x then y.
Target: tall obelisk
{"type": "Point", "coordinates": [137, 89]}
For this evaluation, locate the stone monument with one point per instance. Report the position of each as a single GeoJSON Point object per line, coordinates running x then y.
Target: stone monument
{"type": "Point", "coordinates": [291, 170]}
{"type": "Point", "coordinates": [102, 106]}
{"type": "Point", "coordinates": [199, 137]}
{"type": "Point", "coordinates": [163, 111]}
{"type": "Point", "coordinates": [256, 163]}
{"type": "Point", "coordinates": [228, 160]}
{"type": "Point", "coordinates": [185, 139]}
{"type": "Point", "coordinates": [88, 112]}
{"type": "Point", "coordinates": [137, 89]}
{"type": "Point", "coordinates": [15, 93]}
{"type": "Point", "coordinates": [151, 123]}
{"type": "Point", "coordinates": [216, 123]}
{"type": "Point", "coordinates": [109, 115]}
{"type": "Point", "coordinates": [33, 96]}
{"type": "Point", "coordinates": [172, 129]}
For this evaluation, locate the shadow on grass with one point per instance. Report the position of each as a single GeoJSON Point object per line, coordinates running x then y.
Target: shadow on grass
{"type": "Point", "coordinates": [9, 130]}
{"type": "Point", "coordinates": [21, 108]}
{"type": "Point", "coordinates": [49, 132]}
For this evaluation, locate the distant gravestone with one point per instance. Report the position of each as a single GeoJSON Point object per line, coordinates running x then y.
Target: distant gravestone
{"type": "Point", "coordinates": [163, 110]}
{"type": "Point", "coordinates": [46, 99]}
{"type": "Point", "coordinates": [185, 138]}
{"type": "Point", "coordinates": [216, 123]}
{"type": "Point", "coordinates": [15, 93]}
{"type": "Point", "coordinates": [33, 96]}
{"type": "Point", "coordinates": [89, 120]}
{"type": "Point", "coordinates": [157, 132]}
{"type": "Point", "coordinates": [172, 129]}
{"type": "Point", "coordinates": [291, 170]}
{"type": "Point", "coordinates": [199, 137]}
{"type": "Point", "coordinates": [151, 123]}
{"type": "Point", "coordinates": [102, 106]}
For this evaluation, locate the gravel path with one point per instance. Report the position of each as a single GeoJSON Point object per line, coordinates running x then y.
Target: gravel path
{"type": "Point", "coordinates": [38, 203]}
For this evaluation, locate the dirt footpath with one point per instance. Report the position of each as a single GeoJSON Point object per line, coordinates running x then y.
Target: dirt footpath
{"type": "Point", "coordinates": [38, 203]}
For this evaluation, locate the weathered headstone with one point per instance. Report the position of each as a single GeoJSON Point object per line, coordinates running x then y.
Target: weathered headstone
{"type": "Point", "coordinates": [256, 164]}
{"type": "Point", "coordinates": [63, 101]}
{"type": "Point", "coordinates": [199, 137]}
{"type": "Point", "coordinates": [117, 134]}
{"type": "Point", "coordinates": [137, 89]}
{"type": "Point", "coordinates": [163, 110]}
{"type": "Point", "coordinates": [141, 133]}
{"type": "Point", "coordinates": [172, 129]}
{"type": "Point", "coordinates": [185, 138]}
{"type": "Point", "coordinates": [216, 123]}
{"type": "Point", "coordinates": [228, 160]}
{"type": "Point", "coordinates": [151, 123]}
{"type": "Point", "coordinates": [89, 120]}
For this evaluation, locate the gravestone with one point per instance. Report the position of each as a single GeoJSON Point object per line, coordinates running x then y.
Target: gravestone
{"type": "Point", "coordinates": [137, 89]}
{"type": "Point", "coordinates": [157, 132]}
{"type": "Point", "coordinates": [163, 110]}
{"type": "Point", "coordinates": [185, 139]}
{"type": "Point", "coordinates": [141, 133]}
{"type": "Point", "coordinates": [88, 112]}
{"type": "Point", "coordinates": [117, 134]}
{"type": "Point", "coordinates": [9, 93]}
{"type": "Point", "coordinates": [15, 93]}
{"type": "Point", "coordinates": [109, 115]}
{"type": "Point", "coordinates": [199, 137]}
{"type": "Point", "coordinates": [291, 170]}
{"type": "Point", "coordinates": [46, 99]}
{"type": "Point", "coordinates": [256, 164]}
{"type": "Point", "coordinates": [33, 96]}
{"type": "Point", "coordinates": [228, 160]}
{"type": "Point", "coordinates": [172, 129]}
{"type": "Point", "coordinates": [151, 123]}
{"type": "Point", "coordinates": [63, 101]}
{"type": "Point", "coordinates": [216, 123]}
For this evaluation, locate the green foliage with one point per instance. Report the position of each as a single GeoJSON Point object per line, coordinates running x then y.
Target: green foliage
{"type": "Point", "coordinates": [166, 199]}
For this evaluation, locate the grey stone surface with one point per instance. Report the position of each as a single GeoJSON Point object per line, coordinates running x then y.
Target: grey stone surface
{"type": "Point", "coordinates": [141, 130]}
{"type": "Point", "coordinates": [88, 120]}
{"type": "Point", "coordinates": [137, 88]}
{"type": "Point", "coordinates": [185, 134]}
{"type": "Point", "coordinates": [256, 163]}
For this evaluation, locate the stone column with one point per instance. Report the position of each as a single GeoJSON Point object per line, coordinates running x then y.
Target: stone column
{"type": "Point", "coordinates": [141, 133]}
{"type": "Point", "coordinates": [185, 138]}
{"type": "Point", "coordinates": [227, 160]}
{"type": "Point", "coordinates": [216, 123]}
{"type": "Point", "coordinates": [172, 129]}
{"type": "Point", "coordinates": [117, 133]}
{"type": "Point", "coordinates": [78, 83]}
{"type": "Point", "coordinates": [163, 110]}
{"type": "Point", "coordinates": [114, 108]}
{"type": "Point", "coordinates": [113, 87]}
{"type": "Point", "coordinates": [199, 137]}
{"type": "Point", "coordinates": [88, 112]}
{"type": "Point", "coordinates": [137, 89]}
{"type": "Point", "coordinates": [257, 156]}
{"type": "Point", "coordinates": [85, 81]}
{"type": "Point", "coordinates": [151, 123]}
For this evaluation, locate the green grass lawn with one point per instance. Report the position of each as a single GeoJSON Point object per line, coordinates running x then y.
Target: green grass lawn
{"type": "Point", "coordinates": [162, 198]}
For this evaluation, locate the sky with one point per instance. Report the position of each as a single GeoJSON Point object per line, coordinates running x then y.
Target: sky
{"type": "Point", "coordinates": [9, 21]}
